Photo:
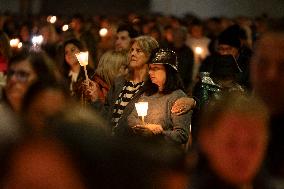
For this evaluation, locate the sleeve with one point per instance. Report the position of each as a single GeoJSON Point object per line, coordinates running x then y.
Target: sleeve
{"type": "Point", "coordinates": [179, 132]}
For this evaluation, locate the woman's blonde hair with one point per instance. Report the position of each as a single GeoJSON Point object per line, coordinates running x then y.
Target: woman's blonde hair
{"type": "Point", "coordinates": [110, 65]}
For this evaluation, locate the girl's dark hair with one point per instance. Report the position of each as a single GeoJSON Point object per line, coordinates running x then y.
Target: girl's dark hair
{"type": "Point", "coordinates": [173, 82]}
{"type": "Point", "coordinates": [65, 66]}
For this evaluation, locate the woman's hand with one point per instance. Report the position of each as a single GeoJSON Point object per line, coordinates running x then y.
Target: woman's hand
{"type": "Point", "coordinates": [183, 105]}
{"type": "Point", "coordinates": [148, 129]}
{"type": "Point", "coordinates": [90, 90]}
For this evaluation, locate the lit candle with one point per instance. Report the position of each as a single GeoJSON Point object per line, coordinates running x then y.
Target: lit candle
{"type": "Point", "coordinates": [141, 108]}
{"type": "Point", "coordinates": [82, 58]}
{"type": "Point", "coordinates": [198, 50]}
{"type": "Point", "coordinates": [14, 42]}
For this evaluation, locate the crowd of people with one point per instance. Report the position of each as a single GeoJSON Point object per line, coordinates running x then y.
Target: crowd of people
{"type": "Point", "coordinates": [212, 94]}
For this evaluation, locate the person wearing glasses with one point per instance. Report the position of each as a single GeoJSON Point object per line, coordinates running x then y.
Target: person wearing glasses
{"type": "Point", "coordinates": [24, 69]}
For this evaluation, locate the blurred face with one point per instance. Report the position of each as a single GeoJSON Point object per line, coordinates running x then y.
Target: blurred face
{"type": "Point", "coordinates": [19, 77]}
{"type": "Point", "coordinates": [70, 51]}
{"type": "Point", "coordinates": [122, 41]}
{"type": "Point", "coordinates": [236, 147]}
{"type": "Point", "coordinates": [137, 57]}
{"type": "Point", "coordinates": [227, 50]}
{"type": "Point", "coordinates": [267, 70]}
{"type": "Point", "coordinates": [157, 74]}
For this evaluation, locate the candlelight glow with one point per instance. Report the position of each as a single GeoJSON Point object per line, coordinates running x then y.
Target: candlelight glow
{"type": "Point", "coordinates": [103, 32]}
{"type": "Point", "coordinates": [82, 57]}
{"type": "Point", "coordinates": [198, 50]}
{"type": "Point", "coordinates": [65, 27]}
{"type": "Point", "coordinates": [37, 40]}
{"type": "Point", "coordinates": [141, 108]}
{"type": "Point", "coordinates": [51, 19]}
{"type": "Point", "coordinates": [20, 45]}
{"type": "Point", "coordinates": [14, 42]}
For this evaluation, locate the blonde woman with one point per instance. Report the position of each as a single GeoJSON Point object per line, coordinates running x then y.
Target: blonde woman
{"type": "Point", "coordinates": [112, 64]}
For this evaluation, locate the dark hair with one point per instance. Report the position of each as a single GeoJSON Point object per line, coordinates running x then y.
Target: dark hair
{"type": "Point", "coordinates": [129, 28]}
{"type": "Point", "coordinates": [41, 63]}
{"type": "Point", "coordinates": [173, 82]}
{"type": "Point", "coordinates": [65, 66]}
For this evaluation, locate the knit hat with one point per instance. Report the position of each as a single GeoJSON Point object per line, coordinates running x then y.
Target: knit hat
{"type": "Point", "coordinates": [164, 56]}
{"type": "Point", "coordinates": [231, 36]}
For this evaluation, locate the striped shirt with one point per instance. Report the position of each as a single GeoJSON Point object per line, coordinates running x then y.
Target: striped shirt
{"type": "Point", "coordinates": [129, 90]}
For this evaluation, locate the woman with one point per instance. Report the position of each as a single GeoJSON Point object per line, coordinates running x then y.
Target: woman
{"type": "Point", "coordinates": [111, 65]}
{"type": "Point", "coordinates": [127, 90]}
{"type": "Point", "coordinates": [162, 90]}
{"type": "Point", "coordinates": [23, 70]}
{"type": "Point", "coordinates": [71, 69]}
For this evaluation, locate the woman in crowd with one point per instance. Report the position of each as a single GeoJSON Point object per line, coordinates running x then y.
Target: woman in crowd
{"type": "Point", "coordinates": [112, 64]}
{"type": "Point", "coordinates": [23, 70]}
{"type": "Point", "coordinates": [162, 90]}
{"type": "Point", "coordinates": [71, 69]}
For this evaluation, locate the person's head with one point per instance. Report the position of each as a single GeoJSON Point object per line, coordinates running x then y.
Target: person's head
{"type": "Point", "coordinates": [163, 71]}
{"type": "Point", "coordinates": [77, 23]}
{"type": "Point", "coordinates": [229, 41]}
{"type": "Point", "coordinates": [196, 29]}
{"type": "Point", "coordinates": [49, 33]}
{"type": "Point", "coordinates": [233, 136]}
{"type": "Point", "coordinates": [71, 47]}
{"type": "Point", "coordinates": [179, 37]}
{"type": "Point", "coordinates": [124, 34]}
{"type": "Point", "coordinates": [23, 70]}
{"type": "Point", "coordinates": [267, 67]}
{"type": "Point", "coordinates": [111, 65]}
{"type": "Point", "coordinates": [140, 51]}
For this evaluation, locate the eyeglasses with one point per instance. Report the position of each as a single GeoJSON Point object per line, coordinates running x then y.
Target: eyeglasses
{"type": "Point", "coordinates": [20, 75]}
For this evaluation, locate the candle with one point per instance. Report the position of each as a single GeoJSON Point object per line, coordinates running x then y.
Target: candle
{"type": "Point", "coordinates": [14, 42]}
{"type": "Point", "coordinates": [141, 108]}
{"type": "Point", "coordinates": [198, 50]}
{"type": "Point", "coordinates": [82, 58]}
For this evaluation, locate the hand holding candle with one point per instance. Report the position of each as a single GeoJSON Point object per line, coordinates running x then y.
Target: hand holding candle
{"type": "Point", "coordinates": [141, 108]}
{"type": "Point", "coordinates": [82, 57]}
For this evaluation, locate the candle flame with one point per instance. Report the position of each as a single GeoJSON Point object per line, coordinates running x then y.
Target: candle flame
{"type": "Point", "coordinates": [82, 57]}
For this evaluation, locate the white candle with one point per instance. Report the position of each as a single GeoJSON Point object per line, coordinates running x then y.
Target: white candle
{"type": "Point", "coordinates": [82, 58]}
{"type": "Point", "coordinates": [141, 108]}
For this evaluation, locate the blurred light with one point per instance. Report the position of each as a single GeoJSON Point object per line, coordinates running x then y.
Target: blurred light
{"type": "Point", "coordinates": [14, 42]}
{"type": "Point", "coordinates": [51, 19]}
{"type": "Point", "coordinates": [20, 45]}
{"type": "Point", "coordinates": [198, 50]}
{"type": "Point", "coordinates": [103, 32]}
{"type": "Point", "coordinates": [65, 27]}
{"type": "Point", "coordinates": [37, 40]}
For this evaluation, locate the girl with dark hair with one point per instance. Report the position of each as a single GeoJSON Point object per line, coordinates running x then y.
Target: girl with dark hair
{"type": "Point", "coordinates": [163, 88]}
{"type": "Point", "coordinates": [71, 69]}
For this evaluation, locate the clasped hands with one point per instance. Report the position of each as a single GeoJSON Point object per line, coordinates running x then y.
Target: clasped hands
{"type": "Point", "coordinates": [148, 129]}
